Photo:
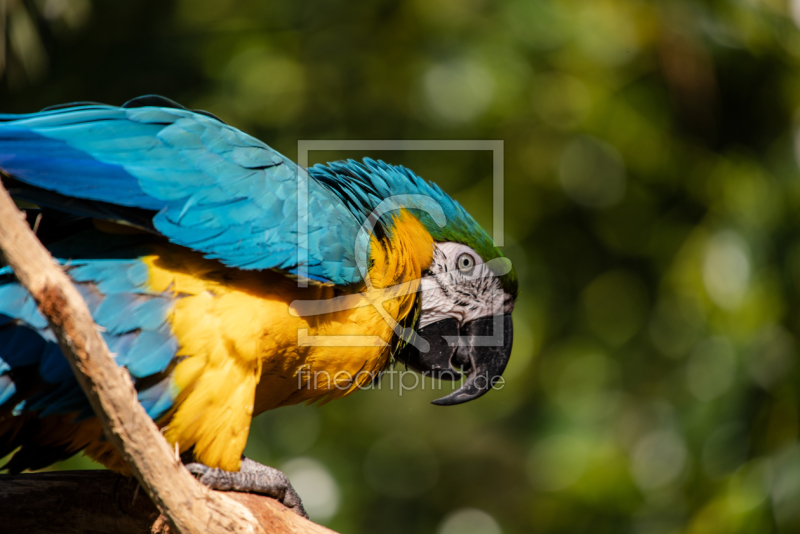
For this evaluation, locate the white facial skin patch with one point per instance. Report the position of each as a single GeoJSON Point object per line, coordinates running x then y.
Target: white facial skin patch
{"type": "Point", "coordinates": [459, 285]}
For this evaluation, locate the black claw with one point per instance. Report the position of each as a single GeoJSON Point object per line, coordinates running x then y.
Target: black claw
{"type": "Point", "coordinates": [253, 477]}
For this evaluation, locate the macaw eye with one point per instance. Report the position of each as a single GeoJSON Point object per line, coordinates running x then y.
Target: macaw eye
{"type": "Point", "coordinates": [465, 263]}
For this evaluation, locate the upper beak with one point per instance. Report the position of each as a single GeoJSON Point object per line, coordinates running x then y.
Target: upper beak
{"type": "Point", "coordinates": [481, 348]}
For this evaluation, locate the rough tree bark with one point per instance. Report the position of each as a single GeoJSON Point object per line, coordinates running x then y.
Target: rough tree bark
{"type": "Point", "coordinates": [187, 505]}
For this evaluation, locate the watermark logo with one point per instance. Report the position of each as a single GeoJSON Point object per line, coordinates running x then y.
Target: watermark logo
{"type": "Point", "coordinates": [401, 379]}
{"type": "Point", "coordinates": [377, 297]}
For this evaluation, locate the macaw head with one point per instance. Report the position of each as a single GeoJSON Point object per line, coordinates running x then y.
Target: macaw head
{"type": "Point", "coordinates": [467, 292]}
{"type": "Point", "coordinates": [465, 320]}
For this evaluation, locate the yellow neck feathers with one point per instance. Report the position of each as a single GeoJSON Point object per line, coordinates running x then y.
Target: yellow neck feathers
{"type": "Point", "coordinates": [398, 262]}
{"type": "Point", "coordinates": [244, 349]}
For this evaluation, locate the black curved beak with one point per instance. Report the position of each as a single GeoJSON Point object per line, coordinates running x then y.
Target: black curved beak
{"type": "Point", "coordinates": [481, 349]}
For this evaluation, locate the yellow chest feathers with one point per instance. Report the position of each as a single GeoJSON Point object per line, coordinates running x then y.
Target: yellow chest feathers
{"type": "Point", "coordinates": [253, 341]}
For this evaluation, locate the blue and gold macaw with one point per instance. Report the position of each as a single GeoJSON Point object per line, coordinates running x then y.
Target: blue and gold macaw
{"type": "Point", "coordinates": [228, 281]}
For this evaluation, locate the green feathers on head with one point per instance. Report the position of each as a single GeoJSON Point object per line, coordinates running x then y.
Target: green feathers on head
{"type": "Point", "coordinates": [362, 186]}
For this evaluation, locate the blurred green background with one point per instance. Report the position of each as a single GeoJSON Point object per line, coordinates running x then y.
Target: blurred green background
{"type": "Point", "coordinates": [651, 211]}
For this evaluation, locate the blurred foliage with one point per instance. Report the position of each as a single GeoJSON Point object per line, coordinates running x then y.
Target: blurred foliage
{"type": "Point", "coordinates": [651, 210]}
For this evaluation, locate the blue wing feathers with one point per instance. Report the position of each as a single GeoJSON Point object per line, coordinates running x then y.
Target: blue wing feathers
{"type": "Point", "coordinates": [115, 312]}
{"type": "Point", "coordinates": [12, 298]}
{"type": "Point", "coordinates": [119, 345]}
{"type": "Point", "coordinates": [70, 399]}
{"type": "Point", "coordinates": [136, 329]}
{"type": "Point", "coordinates": [53, 367]}
{"type": "Point", "coordinates": [21, 346]}
{"type": "Point", "coordinates": [66, 170]}
{"type": "Point", "coordinates": [158, 399]}
{"type": "Point", "coordinates": [151, 353]}
{"type": "Point", "coordinates": [7, 389]}
{"type": "Point", "coordinates": [201, 176]}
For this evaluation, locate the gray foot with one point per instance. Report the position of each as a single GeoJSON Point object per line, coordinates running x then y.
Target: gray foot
{"type": "Point", "coordinates": [253, 477]}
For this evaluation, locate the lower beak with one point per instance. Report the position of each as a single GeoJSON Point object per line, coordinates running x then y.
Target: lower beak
{"type": "Point", "coordinates": [481, 348]}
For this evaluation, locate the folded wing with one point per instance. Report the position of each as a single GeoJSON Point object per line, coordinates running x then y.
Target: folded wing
{"type": "Point", "coordinates": [207, 185]}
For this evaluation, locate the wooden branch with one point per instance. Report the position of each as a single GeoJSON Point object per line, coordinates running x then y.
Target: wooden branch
{"type": "Point", "coordinates": [77, 502]}
{"type": "Point", "coordinates": [188, 506]}
{"type": "Point", "coordinates": [74, 502]}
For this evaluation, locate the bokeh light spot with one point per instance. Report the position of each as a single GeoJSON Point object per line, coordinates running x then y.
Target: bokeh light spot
{"type": "Point", "coordinates": [315, 485]}
{"type": "Point", "coordinates": [580, 380]}
{"type": "Point", "coordinates": [606, 32]}
{"type": "Point", "coordinates": [750, 486]}
{"type": "Point", "coordinates": [458, 91]}
{"type": "Point", "coordinates": [658, 459]}
{"type": "Point", "coordinates": [592, 172]}
{"type": "Point", "coordinates": [771, 356]}
{"type": "Point", "coordinates": [557, 462]}
{"type": "Point", "coordinates": [710, 369]}
{"type": "Point", "coordinates": [562, 101]}
{"type": "Point", "coordinates": [265, 86]}
{"type": "Point", "coordinates": [726, 269]}
{"type": "Point", "coordinates": [469, 521]}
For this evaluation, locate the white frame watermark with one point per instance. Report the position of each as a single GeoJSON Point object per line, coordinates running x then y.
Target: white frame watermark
{"type": "Point", "coordinates": [501, 265]}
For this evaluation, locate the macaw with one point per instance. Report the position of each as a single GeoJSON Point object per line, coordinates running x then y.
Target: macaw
{"type": "Point", "coordinates": [228, 281]}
